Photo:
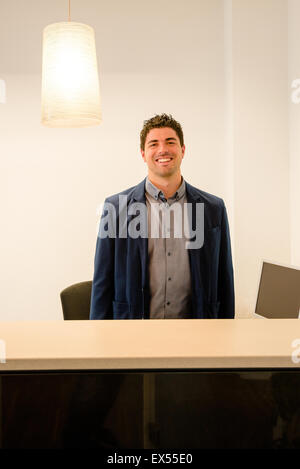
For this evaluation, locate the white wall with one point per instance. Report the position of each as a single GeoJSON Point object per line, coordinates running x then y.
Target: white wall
{"type": "Point", "coordinates": [294, 126]}
{"type": "Point", "coordinates": [52, 180]}
{"type": "Point", "coordinates": [261, 145]}
{"type": "Point", "coordinates": [220, 67]}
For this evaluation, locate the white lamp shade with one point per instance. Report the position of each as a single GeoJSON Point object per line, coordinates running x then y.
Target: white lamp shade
{"type": "Point", "coordinates": [70, 85]}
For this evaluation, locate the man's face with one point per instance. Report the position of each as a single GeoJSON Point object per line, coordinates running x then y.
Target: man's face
{"type": "Point", "coordinates": [163, 152]}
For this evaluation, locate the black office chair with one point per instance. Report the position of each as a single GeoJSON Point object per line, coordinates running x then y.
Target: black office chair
{"type": "Point", "coordinates": [76, 300]}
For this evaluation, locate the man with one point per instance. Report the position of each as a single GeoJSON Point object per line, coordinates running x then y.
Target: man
{"type": "Point", "coordinates": [140, 276]}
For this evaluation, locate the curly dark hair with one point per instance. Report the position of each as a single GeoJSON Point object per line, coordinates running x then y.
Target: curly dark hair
{"type": "Point", "coordinates": [157, 122]}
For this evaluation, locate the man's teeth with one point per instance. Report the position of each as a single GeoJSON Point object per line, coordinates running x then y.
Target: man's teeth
{"type": "Point", "coordinates": [162, 160]}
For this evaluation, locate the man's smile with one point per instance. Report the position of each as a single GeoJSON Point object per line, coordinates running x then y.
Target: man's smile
{"type": "Point", "coordinates": [163, 160]}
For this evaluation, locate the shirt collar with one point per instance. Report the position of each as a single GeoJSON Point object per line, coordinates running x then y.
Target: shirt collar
{"type": "Point", "coordinates": [157, 193]}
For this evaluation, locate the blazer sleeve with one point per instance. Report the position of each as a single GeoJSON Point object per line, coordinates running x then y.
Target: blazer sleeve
{"type": "Point", "coordinates": [226, 278]}
{"type": "Point", "coordinates": [103, 280]}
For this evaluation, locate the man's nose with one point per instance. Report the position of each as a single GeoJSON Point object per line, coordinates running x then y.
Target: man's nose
{"type": "Point", "coordinates": [162, 147]}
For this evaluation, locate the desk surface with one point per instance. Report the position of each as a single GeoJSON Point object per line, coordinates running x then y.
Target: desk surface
{"type": "Point", "coordinates": [149, 344]}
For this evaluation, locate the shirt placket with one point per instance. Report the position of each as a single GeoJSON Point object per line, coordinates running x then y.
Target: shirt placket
{"type": "Point", "coordinates": [169, 256]}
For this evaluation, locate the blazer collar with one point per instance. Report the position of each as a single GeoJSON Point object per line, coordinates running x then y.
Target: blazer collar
{"type": "Point", "coordinates": [192, 194]}
{"type": "Point", "coordinates": [139, 192]}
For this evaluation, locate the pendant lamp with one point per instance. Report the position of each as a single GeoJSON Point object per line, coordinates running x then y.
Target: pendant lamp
{"type": "Point", "coordinates": [70, 84]}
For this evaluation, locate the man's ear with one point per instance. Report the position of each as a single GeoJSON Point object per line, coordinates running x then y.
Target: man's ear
{"type": "Point", "coordinates": [183, 150]}
{"type": "Point", "coordinates": [143, 154]}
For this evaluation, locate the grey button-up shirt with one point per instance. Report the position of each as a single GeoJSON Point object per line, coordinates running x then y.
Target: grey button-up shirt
{"type": "Point", "coordinates": [169, 267]}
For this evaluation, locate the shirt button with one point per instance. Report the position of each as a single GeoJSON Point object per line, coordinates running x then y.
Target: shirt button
{"type": "Point", "coordinates": [168, 302]}
{"type": "Point", "coordinates": [169, 253]}
{"type": "Point", "coordinates": [169, 278]}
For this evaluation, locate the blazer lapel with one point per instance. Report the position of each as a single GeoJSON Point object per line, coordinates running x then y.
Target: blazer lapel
{"type": "Point", "coordinates": [142, 243]}
{"type": "Point", "coordinates": [194, 198]}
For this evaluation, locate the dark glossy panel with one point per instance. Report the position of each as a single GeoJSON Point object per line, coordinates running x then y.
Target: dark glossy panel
{"type": "Point", "coordinates": [161, 409]}
{"type": "Point", "coordinates": [72, 410]}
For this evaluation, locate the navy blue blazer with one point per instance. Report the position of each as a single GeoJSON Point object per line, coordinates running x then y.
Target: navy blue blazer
{"type": "Point", "coordinates": [120, 287]}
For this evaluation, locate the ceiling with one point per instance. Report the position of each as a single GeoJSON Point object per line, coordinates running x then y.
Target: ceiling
{"type": "Point", "coordinates": [132, 36]}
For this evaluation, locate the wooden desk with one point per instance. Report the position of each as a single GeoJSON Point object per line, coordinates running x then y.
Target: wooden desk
{"type": "Point", "coordinates": [205, 373]}
{"type": "Point", "coordinates": [144, 344]}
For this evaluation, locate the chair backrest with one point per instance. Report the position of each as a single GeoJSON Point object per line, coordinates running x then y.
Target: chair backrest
{"type": "Point", "coordinates": [76, 301]}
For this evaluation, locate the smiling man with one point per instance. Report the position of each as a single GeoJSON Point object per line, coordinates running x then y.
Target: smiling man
{"type": "Point", "coordinates": [156, 273]}
{"type": "Point", "coordinates": [163, 150]}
